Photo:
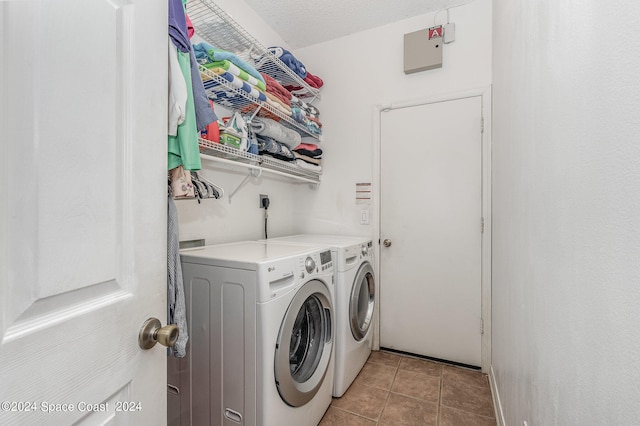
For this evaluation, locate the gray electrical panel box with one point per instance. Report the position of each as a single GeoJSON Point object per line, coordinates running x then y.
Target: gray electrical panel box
{"type": "Point", "coordinates": [422, 53]}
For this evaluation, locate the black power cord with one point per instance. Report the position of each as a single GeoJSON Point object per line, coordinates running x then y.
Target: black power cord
{"type": "Point", "coordinates": [265, 205]}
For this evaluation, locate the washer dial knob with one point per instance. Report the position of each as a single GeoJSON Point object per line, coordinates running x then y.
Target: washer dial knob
{"type": "Point", "coordinates": [365, 250]}
{"type": "Point", "coordinates": [309, 265]}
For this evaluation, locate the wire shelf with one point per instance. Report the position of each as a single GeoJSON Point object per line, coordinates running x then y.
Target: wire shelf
{"type": "Point", "coordinates": [221, 92]}
{"type": "Point", "coordinates": [259, 162]}
{"type": "Point", "coordinates": [220, 30]}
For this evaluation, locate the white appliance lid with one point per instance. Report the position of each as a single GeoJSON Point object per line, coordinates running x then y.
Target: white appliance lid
{"type": "Point", "coordinates": [250, 251]}
{"type": "Point", "coordinates": [331, 240]}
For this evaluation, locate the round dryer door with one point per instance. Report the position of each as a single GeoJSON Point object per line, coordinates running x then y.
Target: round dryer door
{"type": "Point", "coordinates": [303, 350]}
{"type": "Point", "coordinates": [362, 302]}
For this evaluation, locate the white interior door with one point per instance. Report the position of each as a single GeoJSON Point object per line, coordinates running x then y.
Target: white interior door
{"type": "Point", "coordinates": [83, 212]}
{"type": "Point", "coordinates": [431, 188]}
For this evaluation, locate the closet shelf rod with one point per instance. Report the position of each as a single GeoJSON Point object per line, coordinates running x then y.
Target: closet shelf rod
{"type": "Point", "coordinates": [255, 167]}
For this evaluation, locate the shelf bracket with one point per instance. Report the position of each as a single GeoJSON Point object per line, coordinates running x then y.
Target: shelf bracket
{"type": "Point", "coordinates": [256, 173]}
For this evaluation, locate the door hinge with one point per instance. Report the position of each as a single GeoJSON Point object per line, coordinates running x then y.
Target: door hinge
{"type": "Point", "coordinates": [482, 225]}
{"type": "Point", "coordinates": [481, 325]}
{"type": "Point", "coordinates": [481, 124]}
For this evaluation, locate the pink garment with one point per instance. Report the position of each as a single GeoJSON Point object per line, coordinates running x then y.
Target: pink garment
{"type": "Point", "coordinates": [313, 80]}
{"type": "Point", "coordinates": [181, 184]}
{"type": "Point", "coordinates": [190, 30]}
{"type": "Point", "coordinates": [307, 146]}
{"type": "Point", "coordinates": [276, 89]}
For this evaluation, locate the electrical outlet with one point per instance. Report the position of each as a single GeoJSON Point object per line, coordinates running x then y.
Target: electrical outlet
{"type": "Point", "coordinates": [263, 197]}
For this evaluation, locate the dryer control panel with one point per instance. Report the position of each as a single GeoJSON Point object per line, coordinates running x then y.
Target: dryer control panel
{"type": "Point", "coordinates": [366, 249]}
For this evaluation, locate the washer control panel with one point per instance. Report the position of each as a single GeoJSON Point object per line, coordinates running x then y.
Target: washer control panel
{"type": "Point", "coordinates": [325, 260]}
{"type": "Point", "coordinates": [316, 263]}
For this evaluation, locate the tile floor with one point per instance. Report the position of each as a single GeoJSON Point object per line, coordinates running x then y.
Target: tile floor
{"type": "Point", "coordinates": [395, 390]}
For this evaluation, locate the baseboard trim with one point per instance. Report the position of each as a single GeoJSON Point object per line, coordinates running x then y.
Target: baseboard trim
{"type": "Point", "coordinates": [497, 404]}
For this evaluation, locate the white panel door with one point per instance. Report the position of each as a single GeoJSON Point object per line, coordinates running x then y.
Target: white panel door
{"type": "Point", "coordinates": [430, 275]}
{"type": "Point", "coordinates": [83, 213]}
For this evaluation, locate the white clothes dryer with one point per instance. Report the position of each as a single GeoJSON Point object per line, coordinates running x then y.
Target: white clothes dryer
{"type": "Point", "coordinates": [355, 301]}
{"type": "Point", "coordinates": [261, 335]}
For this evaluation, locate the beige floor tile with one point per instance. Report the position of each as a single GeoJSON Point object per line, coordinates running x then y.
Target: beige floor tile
{"type": "Point", "coordinates": [362, 400]}
{"type": "Point", "coordinates": [421, 366]}
{"type": "Point", "coordinates": [463, 376]}
{"type": "Point", "coordinates": [397, 390]}
{"type": "Point", "coordinates": [376, 375]}
{"type": "Point", "coordinates": [417, 385]}
{"type": "Point", "coordinates": [386, 358]}
{"type": "Point", "coordinates": [402, 410]}
{"type": "Point", "coordinates": [472, 399]}
{"type": "Point", "coordinates": [337, 417]}
{"type": "Point", "coordinates": [453, 417]}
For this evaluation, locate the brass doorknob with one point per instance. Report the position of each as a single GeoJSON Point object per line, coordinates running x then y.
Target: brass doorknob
{"type": "Point", "coordinates": [152, 333]}
{"type": "Point", "coordinates": [387, 242]}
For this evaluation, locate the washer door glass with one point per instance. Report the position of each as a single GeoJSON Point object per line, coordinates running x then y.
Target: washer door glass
{"type": "Point", "coordinates": [305, 348]}
{"type": "Point", "coordinates": [362, 302]}
{"type": "Point", "coordinates": [304, 344]}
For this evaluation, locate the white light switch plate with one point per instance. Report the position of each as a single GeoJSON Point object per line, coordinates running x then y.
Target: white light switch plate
{"type": "Point", "coordinates": [364, 217]}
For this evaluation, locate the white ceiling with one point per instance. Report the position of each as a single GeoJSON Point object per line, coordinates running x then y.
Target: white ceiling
{"type": "Point", "coordinates": [303, 23]}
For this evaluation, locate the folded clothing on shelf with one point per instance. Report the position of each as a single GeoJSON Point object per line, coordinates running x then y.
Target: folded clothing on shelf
{"type": "Point", "coordinates": [312, 126]}
{"type": "Point", "coordinates": [277, 103]}
{"type": "Point", "coordinates": [277, 89]}
{"type": "Point", "coordinates": [228, 98]}
{"type": "Point", "coordinates": [206, 53]}
{"type": "Point", "coordinates": [266, 64]}
{"type": "Point", "coordinates": [307, 159]}
{"type": "Point", "coordinates": [263, 126]}
{"type": "Point", "coordinates": [269, 146]}
{"type": "Point", "coordinates": [289, 60]}
{"type": "Point", "coordinates": [219, 67]}
{"type": "Point", "coordinates": [237, 83]}
{"type": "Point", "coordinates": [309, 150]}
{"type": "Point", "coordinates": [312, 80]}
{"type": "Point", "coordinates": [308, 109]}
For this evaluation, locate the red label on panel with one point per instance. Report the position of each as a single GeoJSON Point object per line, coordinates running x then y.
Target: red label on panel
{"type": "Point", "coordinates": [435, 32]}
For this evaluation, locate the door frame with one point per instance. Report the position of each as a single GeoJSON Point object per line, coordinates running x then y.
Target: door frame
{"type": "Point", "coordinates": [485, 94]}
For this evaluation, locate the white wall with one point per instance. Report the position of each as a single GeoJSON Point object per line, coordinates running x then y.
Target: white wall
{"type": "Point", "coordinates": [366, 69]}
{"type": "Point", "coordinates": [566, 212]}
{"type": "Point", "coordinates": [218, 221]}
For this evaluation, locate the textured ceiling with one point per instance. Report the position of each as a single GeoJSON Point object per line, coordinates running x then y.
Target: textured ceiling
{"type": "Point", "coordinates": [303, 23]}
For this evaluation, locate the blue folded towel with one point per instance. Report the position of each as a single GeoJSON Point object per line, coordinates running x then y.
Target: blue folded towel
{"type": "Point", "coordinates": [207, 53]}
{"type": "Point", "coordinates": [289, 60]}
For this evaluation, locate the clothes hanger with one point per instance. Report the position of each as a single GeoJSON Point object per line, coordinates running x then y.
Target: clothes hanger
{"type": "Point", "coordinates": [215, 191]}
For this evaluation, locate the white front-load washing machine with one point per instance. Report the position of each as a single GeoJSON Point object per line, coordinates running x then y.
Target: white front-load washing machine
{"type": "Point", "coordinates": [261, 336]}
{"type": "Point", "coordinates": [355, 301]}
